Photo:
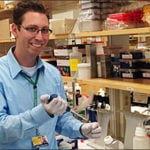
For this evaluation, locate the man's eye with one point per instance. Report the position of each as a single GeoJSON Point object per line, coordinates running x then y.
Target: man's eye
{"type": "Point", "coordinates": [45, 30]}
{"type": "Point", "coordinates": [31, 29]}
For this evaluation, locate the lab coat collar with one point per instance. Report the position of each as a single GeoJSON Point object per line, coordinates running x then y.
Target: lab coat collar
{"type": "Point", "coordinates": [15, 67]}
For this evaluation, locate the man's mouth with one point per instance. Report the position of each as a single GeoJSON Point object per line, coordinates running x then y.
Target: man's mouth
{"type": "Point", "coordinates": [37, 45]}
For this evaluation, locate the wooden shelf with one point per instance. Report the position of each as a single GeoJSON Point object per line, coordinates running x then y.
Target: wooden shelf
{"type": "Point", "coordinates": [137, 31]}
{"type": "Point", "coordinates": [7, 40]}
{"type": "Point", "coordinates": [114, 32]}
{"type": "Point", "coordinates": [51, 37]}
{"type": "Point", "coordinates": [57, 37]}
{"type": "Point", "coordinates": [134, 31]}
{"type": "Point", "coordinates": [67, 79]}
{"type": "Point", "coordinates": [133, 85]}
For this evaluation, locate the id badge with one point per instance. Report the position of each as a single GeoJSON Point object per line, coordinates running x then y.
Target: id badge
{"type": "Point", "coordinates": [39, 141]}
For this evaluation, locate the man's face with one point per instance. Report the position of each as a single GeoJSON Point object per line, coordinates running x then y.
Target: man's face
{"type": "Point", "coordinates": [29, 42]}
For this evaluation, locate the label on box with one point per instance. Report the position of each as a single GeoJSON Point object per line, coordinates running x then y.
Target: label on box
{"type": "Point", "coordinates": [127, 75]}
{"type": "Point", "coordinates": [62, 62]}
{"type": "Point", "coordinates": [140, 97]}
{"type": "Point", "coordinates": [99, 49]}
{"type": "Point", "coordinates": [146, 75]}
{"type": "Point", "coordinates": [127, 56]}
{"type": "Point", "coordinates": [61, 52]}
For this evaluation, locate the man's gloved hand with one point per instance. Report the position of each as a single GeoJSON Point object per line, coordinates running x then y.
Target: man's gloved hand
{"type": "Point", "coordinates": [91, 130]}
{"type": "Point", "coordinates": [56, 106]}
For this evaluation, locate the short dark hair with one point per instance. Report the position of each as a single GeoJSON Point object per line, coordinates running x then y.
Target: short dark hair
{"type": "Point", "coordinates": [25, 6]}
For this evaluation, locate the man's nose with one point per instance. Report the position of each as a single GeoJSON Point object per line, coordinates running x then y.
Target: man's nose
{"type": "Point", "coordinates": [39, 35]}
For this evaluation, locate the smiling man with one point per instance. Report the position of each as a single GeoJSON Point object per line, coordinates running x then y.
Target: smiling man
{"type": "Point", "coordinates": [27, 121]}
{"type": "Point", "coordinates": [32, 34]}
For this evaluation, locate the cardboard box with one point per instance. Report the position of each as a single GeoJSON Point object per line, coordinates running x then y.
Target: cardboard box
{"type": "Point", "coordinates": [2, 4]}
{"type": "Point", "coordinates": [4, 29]}
{"type": "Point", "coordinates": [63, 26]}
{"type": "Point", "coordinates": [90, 25]}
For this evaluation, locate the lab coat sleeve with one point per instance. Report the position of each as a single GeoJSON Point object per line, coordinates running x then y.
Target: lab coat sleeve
{"type": "Point", "coordinates": [14, 127]}
{"type": "Point", "coordinates": [69, 126]}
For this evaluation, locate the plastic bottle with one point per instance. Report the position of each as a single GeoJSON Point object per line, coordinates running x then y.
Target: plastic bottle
{"type": "Point", "coordinates": [77, 87]}
{"type": "Point", "coordinates": [74, 60]}
{"type": "Point", "coordinates": [65, 87]}
{"type": "Point", "coordinates": [77, 93]}
{"type": "Point", "coordinates": [140, 140]}
{"type": "Point", "coordinates": [111, 143]}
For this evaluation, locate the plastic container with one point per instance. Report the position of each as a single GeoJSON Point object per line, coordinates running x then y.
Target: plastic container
{"type": "Point", "coordinates": [111, 143]}
{"type": "Point", "coordinates": [75, 58]}
{"type": "Point", "coordinates": [141, 140]}
{"type": "Point", "coordinates": [84, 71]}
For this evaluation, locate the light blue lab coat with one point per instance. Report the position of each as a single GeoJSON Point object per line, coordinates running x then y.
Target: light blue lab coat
{"type": "Point", "coordinates": [18, 116]}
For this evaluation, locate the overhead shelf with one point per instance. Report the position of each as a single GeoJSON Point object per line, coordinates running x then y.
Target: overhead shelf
{"type": "Point", "coordinates": [57, 37]}
{"type": "Point", "coordinates": [132, 31]}
{"type": "Point", "coordinates": [7, 40]}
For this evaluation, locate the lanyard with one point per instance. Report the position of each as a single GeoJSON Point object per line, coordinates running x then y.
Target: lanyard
{"type": "Point", "coordinates": [34, 83]}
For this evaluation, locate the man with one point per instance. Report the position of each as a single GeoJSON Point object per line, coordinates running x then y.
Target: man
{"type": "Point", "coordinates": [25, 121]}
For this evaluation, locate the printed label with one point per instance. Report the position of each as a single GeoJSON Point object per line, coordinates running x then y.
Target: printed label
{"type": "Point", "coordinates": [73, 64]}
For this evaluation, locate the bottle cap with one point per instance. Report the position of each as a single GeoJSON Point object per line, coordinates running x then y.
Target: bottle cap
{"type": "Point", "coordinates": [140, 131]}
{"type": "Point", "coordinates": [108, 139]}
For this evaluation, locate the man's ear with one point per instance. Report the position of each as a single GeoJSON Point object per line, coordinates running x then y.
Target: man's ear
{"type": "Point", "coordinates": [14, 30]}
